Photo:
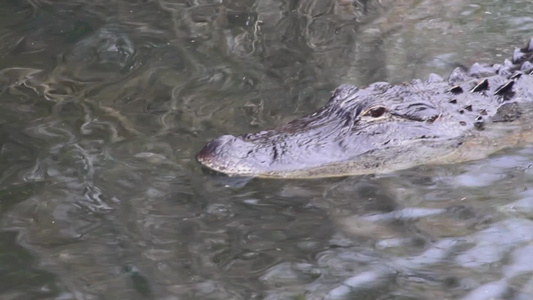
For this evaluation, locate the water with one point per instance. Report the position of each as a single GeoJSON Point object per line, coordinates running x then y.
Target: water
{"type": "Point", "coordinates": [105, 103]}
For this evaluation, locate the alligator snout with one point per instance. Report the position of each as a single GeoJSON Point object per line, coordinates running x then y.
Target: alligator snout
{"type": "Point", "coordinates": [227, 154]}
{"type": "Point", "coordinates": [209, 152]}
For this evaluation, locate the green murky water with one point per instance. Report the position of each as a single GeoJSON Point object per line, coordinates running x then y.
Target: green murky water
{"type": "Point", "coordinates": [104, 104]}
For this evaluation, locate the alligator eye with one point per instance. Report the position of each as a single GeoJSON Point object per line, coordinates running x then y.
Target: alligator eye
{"type": "Point", "coordinates": [375, 112]}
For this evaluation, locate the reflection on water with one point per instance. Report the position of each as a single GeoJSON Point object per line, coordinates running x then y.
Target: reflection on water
{"type": "Point", "coordinates": [105, 103]}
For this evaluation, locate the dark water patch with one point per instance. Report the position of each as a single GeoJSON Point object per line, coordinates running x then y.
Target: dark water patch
{"type": "Point", "coordinates": [20, 277]}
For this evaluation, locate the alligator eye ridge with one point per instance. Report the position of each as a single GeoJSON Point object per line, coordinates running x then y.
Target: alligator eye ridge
{"type": "Point", "coordinates": [375, 112]}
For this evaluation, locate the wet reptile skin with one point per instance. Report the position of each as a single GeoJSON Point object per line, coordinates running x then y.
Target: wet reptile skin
{"type": "Point", "coordinates": [385, 127]}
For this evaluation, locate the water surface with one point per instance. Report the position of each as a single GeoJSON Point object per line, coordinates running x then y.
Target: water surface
{"type": "Point", "coordinates": [105, 103]}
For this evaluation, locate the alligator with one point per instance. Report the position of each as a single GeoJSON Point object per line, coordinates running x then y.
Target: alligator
{"type": "Point", "coordinates": [384, 127]}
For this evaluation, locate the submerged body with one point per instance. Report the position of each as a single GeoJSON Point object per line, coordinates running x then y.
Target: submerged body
{"type": "Point", "coordinates": [384, 127]}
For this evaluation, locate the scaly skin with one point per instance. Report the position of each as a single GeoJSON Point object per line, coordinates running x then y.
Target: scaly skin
{"type": "Point", "coordinates": [384, 127]}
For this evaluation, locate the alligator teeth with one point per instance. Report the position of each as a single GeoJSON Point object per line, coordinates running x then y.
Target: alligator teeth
{"type": "Point", "coordinates": [482, 86]}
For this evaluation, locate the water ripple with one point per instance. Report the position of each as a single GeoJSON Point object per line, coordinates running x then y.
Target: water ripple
{"type": "Point", "coordinates": [105, 103]}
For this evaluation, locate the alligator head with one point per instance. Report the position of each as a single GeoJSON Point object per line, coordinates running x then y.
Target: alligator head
{"type": "Point", "coordinates": [386, 127]}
